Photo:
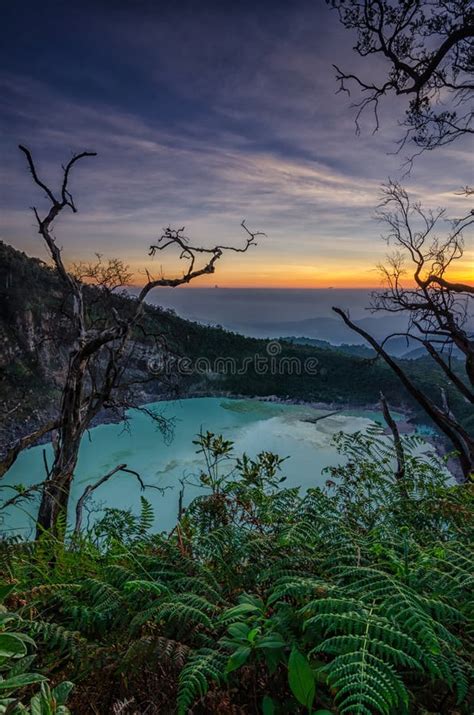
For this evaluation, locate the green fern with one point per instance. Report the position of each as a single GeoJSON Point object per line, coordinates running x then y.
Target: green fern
{"type": "Point", "coordinates": [57, 637]}
{"type": "Point", "coordinates": [203, 666]}
{"type": "Point", "coordinates": [364, 670]}
{"type": "Point", "coordinates": [372, 586]}
{"type": "Point", "coordinates": [148, 649]}
{"type": "Point", "coordinates": [147, 516]}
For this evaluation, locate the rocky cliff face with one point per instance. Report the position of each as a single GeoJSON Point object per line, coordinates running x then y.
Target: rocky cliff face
{"type": "Point", "coordinates": [34, 345]}
{"type": "Point", "coordinates": [30, 321]}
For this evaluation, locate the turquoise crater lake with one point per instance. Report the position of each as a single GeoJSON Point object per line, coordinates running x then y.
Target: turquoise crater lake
{"type": "Point", "coordinates": [253, 425]}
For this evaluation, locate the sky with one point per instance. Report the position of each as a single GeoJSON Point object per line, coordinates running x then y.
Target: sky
{"type": "Point", "coordinates": [204, 114]}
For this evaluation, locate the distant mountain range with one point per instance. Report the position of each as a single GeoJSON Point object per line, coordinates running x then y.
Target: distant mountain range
{"type": "Point", "coordinates": [300, 314]}
{"type": "Point", "coordinates": [332, 333]}
{"type": "Point", "coordinates": [397, 347]}
{"type": "Point", "coordinates": [34, 350]}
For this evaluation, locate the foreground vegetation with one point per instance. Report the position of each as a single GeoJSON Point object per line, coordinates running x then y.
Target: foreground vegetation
{"type": "Point", "coordinates": [352, 599]}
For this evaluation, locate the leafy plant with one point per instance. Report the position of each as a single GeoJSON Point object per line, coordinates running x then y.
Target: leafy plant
{"type": "Point", "coordinates": [349, 599]}
{"type": "Point", "coordinates": [15, 675]}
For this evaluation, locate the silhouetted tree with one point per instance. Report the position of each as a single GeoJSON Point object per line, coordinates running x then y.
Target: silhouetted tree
{"type": "Point", "coordinates": [429, 53]}
{"type": "Point", "coordinates": [417, 282]}
{"type": "Point", "coordinates": [428, 48]}
{"type": "Point", "coordinates": [98, 354]}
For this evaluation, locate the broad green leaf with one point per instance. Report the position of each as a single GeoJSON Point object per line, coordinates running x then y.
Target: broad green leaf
{"type": "Point", "coordinates": [19, 681]}
{"type": "Point", "coordinates": [252, 600]}
{"type": "Point", "coordinates": [61, 692]}
{"type": "Point", "coordinates": [272, 640]}
{"type": "Point", "coordinates": [36, 708]}
{"type": "Point", "coordinates": [11, 646]}
{"type": "Point", "coordinates": [268, 706]}
{"type": "Point", "coordinates": [253, 634]}
{"type": "Point", "coordinates": [241, 610]}
{"type": "Point", "coordinates": [239, 630]}
{"type": "Point", "coordinates": [301, 678]}
{"type": "Point", "coordinates": [238, 658]}
{"type": "Point", "coordinates": [5, 617]}
{"type": "Point", "coordinates": [26, 639]}
{"type": "Point", "coordinates": [21, 665]}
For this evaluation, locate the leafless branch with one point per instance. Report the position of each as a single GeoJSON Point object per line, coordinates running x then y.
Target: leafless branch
{"type": "Point", "coordinates": [462, 441]}
{"type": "Point", "coordinates": [399, 451]}
{"type": "Point", "coordinates": [100, 348]}
{"type": "Point", "coordinates": [428, 48]}
{"type": "Point", "coordinates": [25, 442]}
{"type": "Point", "coordinates": [92, 487]}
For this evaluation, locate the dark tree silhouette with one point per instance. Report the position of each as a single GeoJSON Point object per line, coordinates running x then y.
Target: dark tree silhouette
{"type": "Point", "coordinates": [416, 282]}
{"type": "Point", "coordinates": [429, 53]}
{"type": "Point", "coordinates": [98, 355]}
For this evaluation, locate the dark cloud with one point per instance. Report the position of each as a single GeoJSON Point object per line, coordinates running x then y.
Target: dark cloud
{"type": "Point", "coordinates": [202, 114]}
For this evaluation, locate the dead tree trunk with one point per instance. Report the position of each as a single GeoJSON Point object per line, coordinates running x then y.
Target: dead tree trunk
{"type": "Point", "coordinates": [461, 440]}
{"type": "Point", "coordinates": [397, 443]}
{"type": "Point", "coordinates": [95, 369]}
{"type": "Point", "coordinates": [55, 497]}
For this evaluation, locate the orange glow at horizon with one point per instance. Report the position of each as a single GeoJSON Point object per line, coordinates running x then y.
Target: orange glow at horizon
{"type": "Point", "coordinates": [305, 277]}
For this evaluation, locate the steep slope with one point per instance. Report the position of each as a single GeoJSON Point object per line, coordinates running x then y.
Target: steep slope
{"type": "Point", "coordinates": [34, 353]}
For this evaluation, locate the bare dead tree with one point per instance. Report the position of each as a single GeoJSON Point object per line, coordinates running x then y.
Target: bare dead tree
{"type": "Point", "coordinates": [438, 307]}
{"type": "Point", "coordinates": [98, 349]}
{"type": "Point", "coordinates": [417, 282]}
{"type": "Point", "coordinates": [397, 442]}
{"type": "Point", "coordinates": [25, 442]}
{"type": "Point", "coordinates": [92, 487]}
{"type": "Point", "coordinates": [429, 48]}
{"type": "Point", "coordinates": [21, 494]}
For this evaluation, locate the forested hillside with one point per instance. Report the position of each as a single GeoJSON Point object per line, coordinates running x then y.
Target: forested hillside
{"type": "Point", "coordinates": [34, 351]}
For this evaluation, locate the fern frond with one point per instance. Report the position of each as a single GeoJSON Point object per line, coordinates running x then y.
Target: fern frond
{"type": "Point", "coordinates": [149, 588]}
{"type": "Point", "coordinates": [117, 575]}
{"type": "Point", "coordinates": [300, 588]}
{"type": "Point", "coordinates": [58, 637]}
{"type": "Point", "coordinates": [176, 612]}
{"type": "Point", "coordinates": [47, 590]}
{"type": "Point", "coordinates": [147, 516]}
{"type": "Point", "coordinates": [365, 682]}
{"type": "Point", "coordinates": [203, 665]}
{"type": "Point", "coordinates": [198, 585]}
{"type": "Point", "coordinates": [301, 534]}
{"type": "Point", "coordinates": [103, 595]}
{"type": "Point", "coordinates": [149, 648]}
{"type": "Point", "coordinates": [196, 601]}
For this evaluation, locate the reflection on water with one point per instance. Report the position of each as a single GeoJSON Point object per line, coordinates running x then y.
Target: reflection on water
{"type": "Point", "coordinates": [252, 424]}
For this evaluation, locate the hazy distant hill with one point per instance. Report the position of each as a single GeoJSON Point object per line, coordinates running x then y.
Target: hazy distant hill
{"type": "Point", "coordinates": [303, 314]}
{"type": "Point", "coordinates": [34, 353]}
{"type": "Point", "coordinates": [333, 331]}
{"type": "Point", "coordinates": [355, 350]}
{"type": "Point", "coordinates": [396, 346]}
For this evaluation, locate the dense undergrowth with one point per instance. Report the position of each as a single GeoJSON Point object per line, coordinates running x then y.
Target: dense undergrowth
{"type": "Point", "coordinates": [263, 599]}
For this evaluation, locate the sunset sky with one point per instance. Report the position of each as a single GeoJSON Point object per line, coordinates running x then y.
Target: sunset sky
{"type": "Point", "coordinates": [203, 114]}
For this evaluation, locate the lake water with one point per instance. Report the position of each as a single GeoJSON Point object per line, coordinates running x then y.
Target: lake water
{"type": "Point", "coordinates": [253, 425]}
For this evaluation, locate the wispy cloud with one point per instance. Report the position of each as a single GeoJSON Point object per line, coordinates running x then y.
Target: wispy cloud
{"type": "Point", "coordinates": [240, 123]}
